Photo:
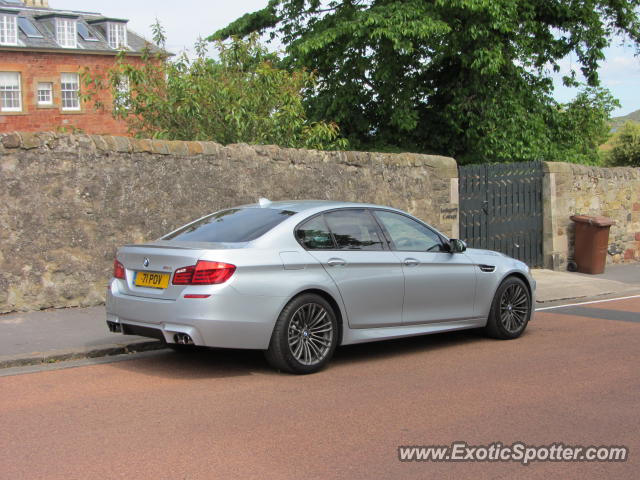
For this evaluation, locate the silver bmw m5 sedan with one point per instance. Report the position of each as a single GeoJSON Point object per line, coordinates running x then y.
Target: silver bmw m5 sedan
{"type": "Point", "coordinates": [298, 278]}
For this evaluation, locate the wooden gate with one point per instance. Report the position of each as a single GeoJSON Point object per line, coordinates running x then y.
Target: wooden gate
{"type": "Point", "coordinates": [501, 209]}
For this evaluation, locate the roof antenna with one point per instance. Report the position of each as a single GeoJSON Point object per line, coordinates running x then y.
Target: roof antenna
{"type": "Point", "coordinates": [264, 202]}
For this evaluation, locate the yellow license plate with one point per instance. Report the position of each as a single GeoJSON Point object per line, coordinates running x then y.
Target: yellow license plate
{"type": "Point", "coordinates": [152, 279]}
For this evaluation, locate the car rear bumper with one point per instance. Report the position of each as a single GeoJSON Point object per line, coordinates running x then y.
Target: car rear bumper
{"type": "Point", "coordinates": [228, 320]}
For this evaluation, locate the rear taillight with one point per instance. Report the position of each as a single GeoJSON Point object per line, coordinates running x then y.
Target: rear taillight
{"type": "Point", "coordinates": [118, 269]}
{"type": "Point", "coordinates": [183, 276]}
{"type": "Point", "coordinates": [203, 273]}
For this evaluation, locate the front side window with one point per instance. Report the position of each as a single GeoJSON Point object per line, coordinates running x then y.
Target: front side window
{"type": "Point", "coordinates": [69, 90]}
{"type": "Point", "coordinates": [10, 92]}
{"type": "Point", "coordinates": [66, 32]}
{"type": "Point", "coordinates": [8, 30]}
{"type": "Point", "coordinates": [354, 230]}
{"type": "Point", "coordinates": [117, 34]}
{"type": "Point", "coordinates": [314, 234]}
{"type": "Point", "coordinates": [45, 93]}
{"type": "Point", "coordinates": [407, 234]}
{"type": "Point", "coordinates": [231, 226]}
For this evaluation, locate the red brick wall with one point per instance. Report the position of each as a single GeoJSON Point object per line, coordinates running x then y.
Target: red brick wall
{"type": "Point", "coordinates": [47, 67]}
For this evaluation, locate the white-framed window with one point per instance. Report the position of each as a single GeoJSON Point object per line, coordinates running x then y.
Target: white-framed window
{"type": "Point", "coordinates": [66, 32]}
{"type": "Point", "coordinates": [117, 35]}
{"type": "Point", "coordinates": [10, 92]}
{"type": "Point", "coordinates": [69, 90]}
{"type": "Point", "coordinates": [8, 29]}
{"type": "Point", "coordinates": [45, 93]}
{"type": "Point", "coordinates": [121, 99]}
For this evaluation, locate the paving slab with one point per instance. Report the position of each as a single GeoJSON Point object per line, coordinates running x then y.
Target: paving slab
{"type": "Point", "coordinates": [61, 334]}
{"type": "Point", "coordinates": [554, 286]}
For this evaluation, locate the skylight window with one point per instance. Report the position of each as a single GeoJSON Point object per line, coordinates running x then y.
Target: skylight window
{"type": "Point", "coordinates": [86, 34]}
{"type": "Point", "coordinates": [28, 28]}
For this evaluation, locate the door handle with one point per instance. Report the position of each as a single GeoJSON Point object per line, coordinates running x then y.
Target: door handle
{"type": "Point", "coordinates": [411, 262]}
{"type": "Point", "coordinates": [336, 262]}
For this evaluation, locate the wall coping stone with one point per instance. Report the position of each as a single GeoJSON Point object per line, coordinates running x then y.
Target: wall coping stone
{"type": "Point", "coordinates": [578, 169]}
{"type": "Point", "coordinates": [445, 167]}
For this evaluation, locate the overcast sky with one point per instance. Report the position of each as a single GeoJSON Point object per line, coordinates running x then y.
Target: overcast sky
{"type": "Point", "coordinates": [186, 20]}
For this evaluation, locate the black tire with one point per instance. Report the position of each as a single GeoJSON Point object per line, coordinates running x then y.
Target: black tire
{"type": "Point", "coordinates": [510, 310]}
{"type": "Point", "coordinates": [320, 337]}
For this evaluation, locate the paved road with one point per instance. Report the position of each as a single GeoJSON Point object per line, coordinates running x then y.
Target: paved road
{"type": "Point", "coordinates": [572, 378]}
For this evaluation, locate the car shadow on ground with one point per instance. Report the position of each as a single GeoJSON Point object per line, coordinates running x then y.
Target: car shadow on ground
{"type": "Point", "coordinates": [405, 346]}
{"type": "Point", "coordinates": [199, 363]}
{"type": "Point", "coordinates": [207, 363]}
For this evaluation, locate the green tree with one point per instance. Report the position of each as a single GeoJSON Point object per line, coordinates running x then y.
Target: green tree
{"type": "Point", "coordinates": [469, 78]}
{"type": "Point", "coordinates": [242, 96]}
{"type": "Point", "coordinates": [582, 126]}
{"type": "Point", "coordinates": [626, 146]}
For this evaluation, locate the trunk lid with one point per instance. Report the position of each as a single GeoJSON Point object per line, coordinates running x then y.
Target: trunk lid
{"type": "Point", "coordinates": [164, 258]}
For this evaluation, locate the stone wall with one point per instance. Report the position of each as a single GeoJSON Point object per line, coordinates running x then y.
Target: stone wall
{"type": "Point", "coordinates": [68, 201]}
{"type": "Point", "coordinates": [571, 189]}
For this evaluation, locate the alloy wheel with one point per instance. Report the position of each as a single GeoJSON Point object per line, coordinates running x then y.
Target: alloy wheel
{"type": "Point", "coordinates": [310, 334]}
{"type": "Point", "coordinates": [514, 307]}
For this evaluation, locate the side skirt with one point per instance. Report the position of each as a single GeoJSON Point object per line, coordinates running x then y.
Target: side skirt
{"type": "Point", "coordinates": [363, 335]}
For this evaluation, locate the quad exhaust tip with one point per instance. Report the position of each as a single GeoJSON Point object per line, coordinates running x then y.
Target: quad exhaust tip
{"type": "Point", "coordinates": [182, 339]}
{"type": "Point", "coordinates": [114, 327]}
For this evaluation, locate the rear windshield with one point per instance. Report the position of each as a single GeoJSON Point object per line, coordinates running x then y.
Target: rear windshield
{"type": "Point", "coordinates": [235, 225]}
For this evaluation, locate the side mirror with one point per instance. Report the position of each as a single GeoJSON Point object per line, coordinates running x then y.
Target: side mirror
{"type": "Point", "coordinates": [457, 246]}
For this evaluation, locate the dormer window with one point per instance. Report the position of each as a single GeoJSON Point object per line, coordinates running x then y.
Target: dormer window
{"type": "Point", "coordinates": [66, 32]}
{"type": "Point", "coordinates": [117, 35]}
{"type": "Point", "coordinates": [114, 29]}
{"type": "Point", "coordinates": [8, 29]}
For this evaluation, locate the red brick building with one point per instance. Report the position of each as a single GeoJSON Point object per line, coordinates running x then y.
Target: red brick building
{"type": "Point", "coordinates": [42, 55]}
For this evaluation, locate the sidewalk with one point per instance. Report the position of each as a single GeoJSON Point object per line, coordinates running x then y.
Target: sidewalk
{"type": "Point", "coordinates": [28, 338]}
{"type": "Point", "coordinates": [618, 280]}
{"type": "Point", "coordinates": [55, 335]}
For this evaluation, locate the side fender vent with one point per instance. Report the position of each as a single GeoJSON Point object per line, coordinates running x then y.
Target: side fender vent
{"type": "Point", "coordinates": [487, 268]}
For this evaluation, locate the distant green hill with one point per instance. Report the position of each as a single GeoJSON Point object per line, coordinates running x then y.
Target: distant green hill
{"type": "Point", "coordinates": [619, 121]}
{"type": "Point", "coordinates": [616, 123]}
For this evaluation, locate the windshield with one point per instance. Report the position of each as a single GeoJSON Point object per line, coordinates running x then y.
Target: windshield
{"type": "Point", "coordinates": [234, 225]}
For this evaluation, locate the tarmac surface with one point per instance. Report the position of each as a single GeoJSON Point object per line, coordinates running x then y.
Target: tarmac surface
{"type": "Point", "coordinates": [31, 338]}
{"type": "Point", "coordinates": [571, 378]}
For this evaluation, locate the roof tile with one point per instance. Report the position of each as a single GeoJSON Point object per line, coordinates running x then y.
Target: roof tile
{"type": "Point", "coordinates": [44, 18]}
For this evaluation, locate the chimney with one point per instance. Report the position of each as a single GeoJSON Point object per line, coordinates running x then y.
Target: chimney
{"type": "Point", "coordinates": [37, 3]}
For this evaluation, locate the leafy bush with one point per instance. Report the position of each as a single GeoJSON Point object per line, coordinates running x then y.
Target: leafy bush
{"type": "Point", "coordinates": [242, 96]}
{"type": "Point", "coordinates": [626, 146]}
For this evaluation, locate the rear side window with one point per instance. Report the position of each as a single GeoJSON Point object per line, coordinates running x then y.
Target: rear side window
{"type": "Point", "coordinates": [234, 225]}
{"type": "Point", "coordinates": [315, 235]}
{"type": "Point", "coordinates": [354, 230]}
